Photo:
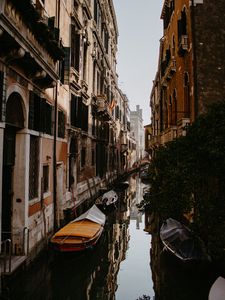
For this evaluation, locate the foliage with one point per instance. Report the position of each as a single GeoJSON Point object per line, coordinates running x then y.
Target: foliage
{"type": "Point", "coordinates": [190, 172]}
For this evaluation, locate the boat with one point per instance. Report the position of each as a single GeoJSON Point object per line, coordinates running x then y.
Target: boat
{"type": "Point", "coordinates": [180, 241]}
{"type": "Point", "coordinates": [81, 233]}
{"type": "Point", "coordinates": [107, 199]}
{"type": "Point", "coordinates": [217, 291]}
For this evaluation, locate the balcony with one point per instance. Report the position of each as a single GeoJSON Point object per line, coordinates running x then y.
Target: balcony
{"type": "Point", "coordinates": [34, 27]}
{"type": "Point", "coordinates": [123, 138]}
{"type": "Point", "coordinates": [74, 78]}
{"type": "Point", "coordinates": [102, 106]}
{"type": "Point", "coordinates": [183, 45]}
{"type": "Point", "coordinates": [169, 134]}
{"type": "Point", "coordinates": [155, 141]}
{"type": "Point", "coordinates": [170, 69]}
{"type": "Point", "coordinates": [183, 125]}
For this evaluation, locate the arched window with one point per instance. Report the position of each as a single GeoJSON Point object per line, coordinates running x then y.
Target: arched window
{"type": "Point", "coordinates": [174, 113]}
{"type": "Point", "coordinates": [173, 46]}
{"type": "Point", "coordinates": [14, 111]}
{"type": "Point", "coordinates": [187, 107]}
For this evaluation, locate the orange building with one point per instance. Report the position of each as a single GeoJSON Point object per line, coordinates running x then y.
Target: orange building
{"type": "Point", "coordinates": [191, 63]}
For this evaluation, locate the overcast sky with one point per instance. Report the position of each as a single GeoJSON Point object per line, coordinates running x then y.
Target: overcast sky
{"type": "Point", "coordinates": [140, 29]}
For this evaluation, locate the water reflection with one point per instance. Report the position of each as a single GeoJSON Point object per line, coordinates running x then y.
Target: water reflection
{"type": "Point", "coordinates": [134, 277]}
{"type": "Point", "coordinates": [90, 275]}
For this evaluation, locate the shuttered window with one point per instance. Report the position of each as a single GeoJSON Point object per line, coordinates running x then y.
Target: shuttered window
{"type": "Point", "coordinates": [75, 48]}
{"type": "Point", "coordinates": [34, 111]}
{"type": "Point", "coordinates": [40, 114]}
{"type": "Point", "coordinates": [64, 67]}
{"type": "Point", "coordinates": [33, 167]}
{"type": "Point", "coordinates": [79, 113]}
{"type": "Point", "coordinates": [61, 124]}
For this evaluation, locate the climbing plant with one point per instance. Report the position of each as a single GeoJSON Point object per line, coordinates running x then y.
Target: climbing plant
{"type": "Point", "coordinates": [189, 172]}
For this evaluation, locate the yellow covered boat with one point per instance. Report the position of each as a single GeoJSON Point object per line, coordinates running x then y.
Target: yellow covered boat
{"type": "Point", "coordinates": [81, 233]}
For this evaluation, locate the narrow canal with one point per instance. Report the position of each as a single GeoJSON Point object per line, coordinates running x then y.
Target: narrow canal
{"type": "Point", "coordinates": [117, 268]}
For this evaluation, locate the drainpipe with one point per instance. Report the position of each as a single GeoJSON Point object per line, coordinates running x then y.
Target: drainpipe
{"type": "Point", "coordinates": [55, 137]}
{"type": "Point", "coordinates": [194, 60]}
{"type": "Point", "coordinates": [55, 162]}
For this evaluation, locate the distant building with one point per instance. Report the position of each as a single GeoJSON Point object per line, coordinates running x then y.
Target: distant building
{"type": "Point", "coordinates": [136, 122]}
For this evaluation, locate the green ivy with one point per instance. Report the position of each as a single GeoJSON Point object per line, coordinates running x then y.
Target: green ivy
{"type": "Point", "coordinates": [189, 172]}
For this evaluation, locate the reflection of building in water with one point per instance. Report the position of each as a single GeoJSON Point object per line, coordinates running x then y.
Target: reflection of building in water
{"type": "Point", "coordinates": [174, 279]}
{"type": "Point", "coordinates": [103, 281]}
{"type": "Point", "coordinates": [89, 275]}
{"type": "Point", "coordinates": [135, 214]}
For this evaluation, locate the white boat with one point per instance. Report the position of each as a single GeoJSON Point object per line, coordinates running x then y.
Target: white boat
{"type": "Point", "coordinates": [180, 241]}
{"type": "Point", "coordinates": [107, 198]}
{"type": "Point", "coordinates": [217, 291]}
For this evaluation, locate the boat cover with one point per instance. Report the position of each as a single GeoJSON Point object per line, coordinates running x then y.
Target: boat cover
{"type": "Point", "coordinates": [217, 291]}
{"type": "Point", "coordinates": [84, 228]}
{"type": "Point", "coordinates": [179, 240]}
{"type": "Point", "coordinates": [94, 214]}
{"type": "Point", "coordinates": [172, 229]}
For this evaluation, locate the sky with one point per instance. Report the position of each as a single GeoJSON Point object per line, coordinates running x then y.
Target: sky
{"type": "Point", "coordinates": [140, 29]}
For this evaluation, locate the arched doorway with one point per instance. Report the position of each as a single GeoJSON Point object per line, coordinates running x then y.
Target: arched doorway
{"type": "Point", "coordinates": [14, 122]}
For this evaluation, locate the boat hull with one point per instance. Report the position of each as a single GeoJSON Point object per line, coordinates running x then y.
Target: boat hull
{"type": "Point", "coordinates": [81, 233]}
{"type": "Point", "coordinates": [76, 247]}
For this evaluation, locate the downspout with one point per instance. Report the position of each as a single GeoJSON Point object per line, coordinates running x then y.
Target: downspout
{"type": "Point", "coordinates": [196, 110]}
{"type": "Point", "coordinates": [55, 136]}
{"type": "Point", "coordinates": [55, 162]}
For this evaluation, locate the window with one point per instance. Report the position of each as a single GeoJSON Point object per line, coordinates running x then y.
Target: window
{"type": "Point", "coordinates": [187, 105]}
{"type": "Point", "coordinates": [75, 48]}
{"type": "Point", "coordinates": [46, 117]}
{"type": "Point", "coordinates": [40, 114]}
{"type": "Point", "coordinates": [182, 25]}
{"type": "Point", "coordinates": [174, 108]}
{"type": "Point", "coordinates": [79, 113]}
{"type": "Point", "coordinates": [117, 112]}
{"type": "Point", "coordinates": [106, 41]}
{"type": "Point", "coordinates": [96, 11]}
{"type": "Point", "coordinates": [173, 46]}
{"type": "Point", "coordinates": [33, 167]}
{"type": "Point", "coordinates": [64, 67]}
{"type": "Point", "coordinates": [83, 157]}
{"type": "Point", "coordinates": [92, 157]}
{"type": "Point", "coordinates": [93, 125]}
{"type": "Point", "coordinates": [61, 124]}
{"type": "Point", "coordinates": [169, 8]}
{"type": "Point", "coordinates": [45, 178]}
{"type": "Point", "coordinates": [34, 112]}
{"type": "Point", "coordinates": [2, 93]}
{"type": "Point", "coordinates": [85, 60]}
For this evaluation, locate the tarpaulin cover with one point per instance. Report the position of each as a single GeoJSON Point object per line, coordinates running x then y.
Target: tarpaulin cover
{"type": "Point", "coordinates": [94, 214]}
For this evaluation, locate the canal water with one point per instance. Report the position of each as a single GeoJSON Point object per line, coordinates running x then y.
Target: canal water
{"type": "Point", "coordinates": [117, 268]}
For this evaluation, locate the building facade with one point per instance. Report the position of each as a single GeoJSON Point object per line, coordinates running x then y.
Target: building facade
{"type": "Point", "coordinates": [63, 119]}
{"type": "Point", "coordinates": [191, 66]}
